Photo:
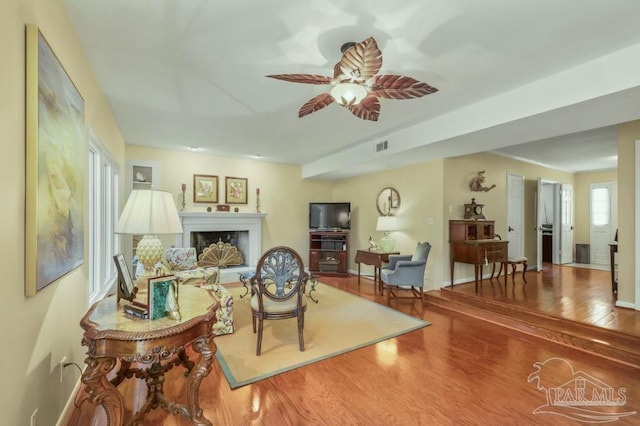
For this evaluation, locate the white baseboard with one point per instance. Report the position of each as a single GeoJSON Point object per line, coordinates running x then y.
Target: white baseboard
{"type": "Point", "coordinates": [623, 304]}
{"type": "Point", "coordinates": [69, 405]}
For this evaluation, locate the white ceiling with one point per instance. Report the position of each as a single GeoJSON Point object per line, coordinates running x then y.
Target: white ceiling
{"type": "Point", "coordinates": [191, 74]}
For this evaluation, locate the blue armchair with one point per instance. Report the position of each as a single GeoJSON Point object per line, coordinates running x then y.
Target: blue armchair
{"type": "Point", "coordinates": [406, 272]}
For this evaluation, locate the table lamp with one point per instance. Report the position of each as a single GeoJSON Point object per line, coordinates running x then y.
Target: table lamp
{"type": "Point", "coordinates": [149, 213]}
{"type": "Point", "coordinates": [387, 224]}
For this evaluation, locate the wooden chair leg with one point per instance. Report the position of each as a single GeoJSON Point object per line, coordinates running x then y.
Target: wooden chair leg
{"type": "Point", "coordinates": [513, 273]}
{"type": "Point", "coordinates": [523, 271]}
{"type": "Point", "coordinates": [259, 346]}
{"type": "Point", "coordinates": [301, 331]}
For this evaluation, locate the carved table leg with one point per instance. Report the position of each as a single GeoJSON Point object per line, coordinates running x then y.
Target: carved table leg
{"type": "Point", "coordinates": [186, 362]}
{"type": "Point", "coordinates": [201, 370]}
{"type": "Point", "coordinates": [122, 373]}
{"type": "Point", "coordinates": [101, 391]}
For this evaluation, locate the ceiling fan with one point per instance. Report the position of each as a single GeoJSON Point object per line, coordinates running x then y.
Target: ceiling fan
{"type": "Point", "coordinates": [356, 85]}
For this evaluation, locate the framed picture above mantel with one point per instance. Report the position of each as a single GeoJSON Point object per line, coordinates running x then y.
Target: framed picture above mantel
{"type": "Point", "coordinates": [235, 190]}
{"type": "Point", "coordinates": [205, 189]}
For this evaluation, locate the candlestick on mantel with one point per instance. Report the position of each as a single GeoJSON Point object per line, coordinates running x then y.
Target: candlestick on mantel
{"type": "Point", "coordinates": [184, 200]}
{"type": "Point", "coordinates": [257, 200]}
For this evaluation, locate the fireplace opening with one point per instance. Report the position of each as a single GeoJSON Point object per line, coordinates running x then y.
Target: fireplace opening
{"type": "Point", "coordinates": [239, 239]}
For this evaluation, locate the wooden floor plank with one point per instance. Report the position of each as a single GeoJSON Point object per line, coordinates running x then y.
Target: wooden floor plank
{"type": "Point", "coordinates": [459, 370]}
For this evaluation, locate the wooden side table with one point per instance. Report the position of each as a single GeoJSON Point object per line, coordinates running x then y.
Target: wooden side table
{"type": "Point", "coordinates": [376, 259]}
{"type": "Point", "coordinates": [153, 348]}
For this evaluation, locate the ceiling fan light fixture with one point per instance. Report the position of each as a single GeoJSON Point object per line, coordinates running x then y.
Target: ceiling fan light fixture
{"type": "Point", "coordinates": [347, 94]}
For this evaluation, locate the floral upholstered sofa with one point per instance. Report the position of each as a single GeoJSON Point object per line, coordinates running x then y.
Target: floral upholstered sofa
{"type": "Point", "coordinates": [182, 263]}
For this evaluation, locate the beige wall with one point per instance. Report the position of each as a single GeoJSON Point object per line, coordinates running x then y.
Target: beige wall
{"type": "Point", "coordinates": [284, 195]}
{"type": "Point", "coordinates": [420, 215]}
{"type": "Point", "coordinates": [581, 203]}
{"type": "Point", "coordinates": [628, 134]}
{"type": "Point", "coordinates": [37, 331]}
{"type": "Point", "coordinates": [458, 172]}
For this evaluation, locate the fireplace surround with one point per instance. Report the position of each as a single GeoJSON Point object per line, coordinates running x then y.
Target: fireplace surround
{"type": "Point", "coordinates": [249, 223]}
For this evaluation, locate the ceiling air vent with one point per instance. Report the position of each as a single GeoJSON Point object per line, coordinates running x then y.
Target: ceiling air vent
{"type": "Point", "coordinates": [381, 146]}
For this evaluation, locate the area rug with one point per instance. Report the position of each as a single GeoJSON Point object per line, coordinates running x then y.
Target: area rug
{"type": "Point", "coordinates": [340, 322]}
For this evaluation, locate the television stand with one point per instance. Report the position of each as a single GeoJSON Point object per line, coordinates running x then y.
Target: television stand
{"type": "Point", "coordinates": [328, 252]}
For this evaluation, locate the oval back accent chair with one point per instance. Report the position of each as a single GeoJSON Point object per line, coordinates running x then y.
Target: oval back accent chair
{"type": "Point", "coordinates": [278, 290]}
{"type": "Point", "coordinates": [406, 272]}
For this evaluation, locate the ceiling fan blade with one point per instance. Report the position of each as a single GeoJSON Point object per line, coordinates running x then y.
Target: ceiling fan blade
{"type": "Point", "coordinates": [337, 70]}
{"type": "Point", "coordinates": [362, 61]}
{"type": "Point", "coordinates": [315, 104]}
{"type": "Point", "coordinates": [399, 87]}
{"type": "Point", "coordinates": [302, 78]}
{"type": "Point", "coordinates": [367, 109]}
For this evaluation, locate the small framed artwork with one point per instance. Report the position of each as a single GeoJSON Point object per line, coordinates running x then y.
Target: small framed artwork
{"type": "Point", "coordinates": [162, 296]}
{"type": "Point", "coordinates": [205, 189]}
{"type": "Point", "coordinates": [126, 289]}
{"type": "Point", "coordinates": [235, 190]}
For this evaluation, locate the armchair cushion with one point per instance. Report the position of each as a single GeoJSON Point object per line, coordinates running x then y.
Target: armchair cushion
{"type": "Point", "coordinates": [209, 278]}
{"type": "Point", "coordinates": [199, 276]}
{"type": "Point", "coordinates": [224, 314]}
{"type": "Point", "coordinates": [181, 259]}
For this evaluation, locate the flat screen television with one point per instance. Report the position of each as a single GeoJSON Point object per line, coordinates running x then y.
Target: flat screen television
{"type": "Point", "coordinates": [330, 216]}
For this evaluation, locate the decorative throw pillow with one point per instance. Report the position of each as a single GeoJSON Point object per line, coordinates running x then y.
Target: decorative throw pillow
{"type": "Point", "coordinates": [181, 259]}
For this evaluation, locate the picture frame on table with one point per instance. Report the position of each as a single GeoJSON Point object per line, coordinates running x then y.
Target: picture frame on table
{"type": "Point", "coordinates": [162, 296]}
{"type": "Point", "coordinates": [126, 288]}
{"type": "Point", "coordinates": [55, 159]}
{"type": "Point", "coordinates": [235, 190]}
{"type": "Point", "coordinates": [205, 189]}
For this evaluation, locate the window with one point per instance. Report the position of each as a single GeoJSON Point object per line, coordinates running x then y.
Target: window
{"type": "Point", "coordinates": [600, 210]}
{"type": "Point", "coordinates": [103, 208]}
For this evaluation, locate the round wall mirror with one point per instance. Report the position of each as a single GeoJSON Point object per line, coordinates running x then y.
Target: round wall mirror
{"type": "Point", "coordinates": [388, 202]}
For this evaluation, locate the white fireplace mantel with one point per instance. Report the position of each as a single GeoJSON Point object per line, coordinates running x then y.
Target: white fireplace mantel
{"type": "Point", "coordinates": [215, 222]}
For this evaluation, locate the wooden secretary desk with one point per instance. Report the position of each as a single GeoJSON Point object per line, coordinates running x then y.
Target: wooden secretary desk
{"type": "Point", "coordinates": [474, 242]}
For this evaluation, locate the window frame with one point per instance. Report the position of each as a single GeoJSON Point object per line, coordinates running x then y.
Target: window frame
{"type": "Point", "coordinates": [103, 206]}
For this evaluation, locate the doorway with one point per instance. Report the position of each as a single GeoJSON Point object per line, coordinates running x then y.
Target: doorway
{"type": "Point", "coordinates": [554, 222]}
{"type": "Point", "coordinates": [603, 220]}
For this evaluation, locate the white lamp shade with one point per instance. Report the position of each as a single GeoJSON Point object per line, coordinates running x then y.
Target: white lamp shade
{"type": "Point", "coordinates": [387, 223]}
{"type": "Point", "coordinates": [149, 212]}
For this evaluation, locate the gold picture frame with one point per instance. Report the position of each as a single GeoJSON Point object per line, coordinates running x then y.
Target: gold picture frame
{"type": "Point", "coordinates": [235, 190]}
{"type": "Point", "coordinates": [205, 189]}
{"type": "Point", "coordinates": [55, 158]}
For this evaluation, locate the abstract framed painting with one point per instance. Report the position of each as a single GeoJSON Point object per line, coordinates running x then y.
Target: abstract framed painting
{"type": "Point", "coordinates": [55, 158]}
{"type": "Point", "coordinates": [236, 190]}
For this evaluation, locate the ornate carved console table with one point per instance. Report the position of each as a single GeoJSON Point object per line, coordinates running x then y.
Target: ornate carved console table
{"type": "Point", "coordinates": [148, 349]}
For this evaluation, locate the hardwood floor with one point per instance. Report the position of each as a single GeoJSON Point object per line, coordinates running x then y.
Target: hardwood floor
{"type": "Point", "coordinates": [458, 370]}
{"type": "Point", "coordinates": [578, 294]}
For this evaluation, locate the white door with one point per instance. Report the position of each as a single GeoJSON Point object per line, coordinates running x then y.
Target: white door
{"type": "Point", "coordinates": [566, 223]}
{"type": "Point", "coordinates": [515, 215]}
{"type": "Point", "coordinates": [603, 220]}
{"type": "Point", "coordinates": [539, 222]}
